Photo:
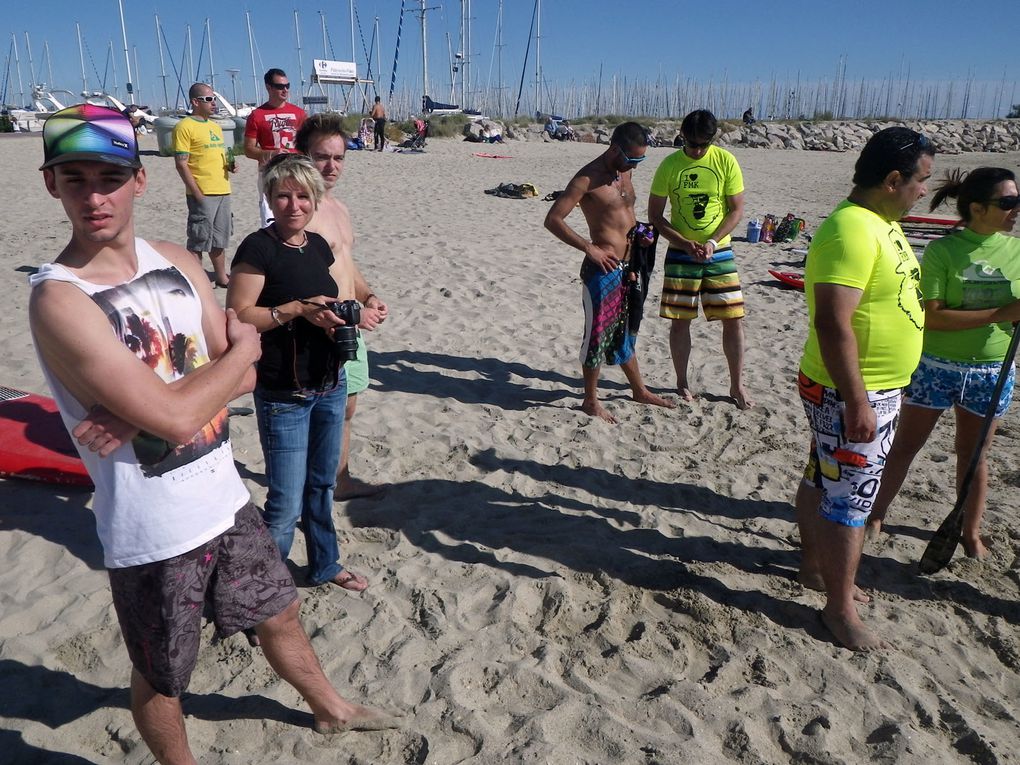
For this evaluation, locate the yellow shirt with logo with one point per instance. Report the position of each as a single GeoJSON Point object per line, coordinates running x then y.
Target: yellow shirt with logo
{"type": "Point", "coordinates": [857, 248]}
{"type": "Point", "coordinates": [697, 191]}
{"type": "Point", "coordinates": [202, 142]}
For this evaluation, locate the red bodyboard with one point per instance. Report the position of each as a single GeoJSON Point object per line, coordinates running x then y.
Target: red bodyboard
{"type": "Point", "coordinates": [930, 220]}
{"type": "Point", "coordinates": [34, 443]}
{"type": "Point", "coordinates": [789, 278]}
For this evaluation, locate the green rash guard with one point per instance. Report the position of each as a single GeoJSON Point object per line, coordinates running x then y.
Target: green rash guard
{"type": "Point", "coordinates": [856, 248]}
{"type": "Point", "coordinates": [697, 191]}
{"type": "Point", "coordinates": [965, 271]}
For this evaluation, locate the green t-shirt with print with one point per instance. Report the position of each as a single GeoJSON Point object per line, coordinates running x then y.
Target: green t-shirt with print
{"type": "Point", "coordinates": [697, 191]}
{"type": "Point", "coordinates": [854, 247]}
{"type": "Point", "coordinates": [965, 271]}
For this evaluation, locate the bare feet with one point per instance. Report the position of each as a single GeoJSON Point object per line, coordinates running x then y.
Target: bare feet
{"type": "Point", "coordinates": [354, 488]}
{"type": "Point", "coordinates": [740, 397]}
{"type": "Point", "coordinates": [645, 396]}
{"type": "Point", "coordinates": [851, 633]}
{"type": "Point", "coordinates": [814, 582]}
{"type": "Point", "coordinates": [595, 409]}
{"type": "Point", "coordinates": [362, 718]}
{"type": "Point", "coordinates": [684, 391]}
{"type": "Point", "coordinates": [348, 580]}
{"type": "Point", "coordinates": [976, 548]}
{"type": "Point", "coordinates": [872, 529]}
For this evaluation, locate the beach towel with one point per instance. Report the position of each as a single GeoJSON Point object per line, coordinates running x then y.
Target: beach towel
{"type": "Point", "coordinates": [607, 336]}
{"type": "Point", "coordinates": [613, 302]}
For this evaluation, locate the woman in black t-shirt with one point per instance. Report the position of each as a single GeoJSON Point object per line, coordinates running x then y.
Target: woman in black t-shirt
{"type": "Point", "coordinates": [284, 281]}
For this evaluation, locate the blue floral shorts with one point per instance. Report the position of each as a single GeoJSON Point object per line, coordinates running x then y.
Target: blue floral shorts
{"type": "Point", "coordinates": [940, 383]}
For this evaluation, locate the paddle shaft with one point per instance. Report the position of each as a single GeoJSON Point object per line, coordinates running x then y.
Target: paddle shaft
{"type": "Point", "coordinates": [943, 543]}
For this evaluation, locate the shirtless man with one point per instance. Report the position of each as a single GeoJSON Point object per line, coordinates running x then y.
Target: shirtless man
{"type": "Point", "coordinates": [379, 115]}
{"type": "Point", "coordinates": [605, 192]}
{"type": "Point", "coordinates": [321, 137]}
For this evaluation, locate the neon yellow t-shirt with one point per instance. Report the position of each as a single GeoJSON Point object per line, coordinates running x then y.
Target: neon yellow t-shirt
{"type": "Point", "coordinates": [854, 247]}
{"type": "Point", "coordinates": [202, 142]}
{"type": "Point", "coordinates": [697, 191]}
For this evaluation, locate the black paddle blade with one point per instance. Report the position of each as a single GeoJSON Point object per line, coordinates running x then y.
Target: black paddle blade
{"type": "Point", "coordinates": [943, 543]}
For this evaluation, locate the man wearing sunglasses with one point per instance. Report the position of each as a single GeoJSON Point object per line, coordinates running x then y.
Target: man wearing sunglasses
{"type": "Point", "coordinates": [865, 324]}
{"type": "Point", "coordinates": [705, 190]}
{"type": "Point", "coordinates": [271, 129]}
{"type": "Point", "coordinates": [203, 166]}
{"type": "Point", "coordinates": [605, 192]}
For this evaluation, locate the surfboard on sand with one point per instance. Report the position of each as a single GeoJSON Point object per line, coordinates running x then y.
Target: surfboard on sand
{"type": "Point", "coordinates": [34, 443]}
{"type": "Point", "coordinates": [789, 278]}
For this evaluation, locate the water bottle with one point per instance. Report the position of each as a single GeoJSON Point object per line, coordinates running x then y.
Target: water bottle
{"type": "Point", "coordinates": [753, 230]}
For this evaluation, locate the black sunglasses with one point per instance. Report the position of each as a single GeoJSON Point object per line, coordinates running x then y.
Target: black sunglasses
{"type": "Point", "coordinates": [697, 144]}
{"type": "Point", "coordinates": [1005, 203]}
{"type": "Point", "coordinates": [280, 85]}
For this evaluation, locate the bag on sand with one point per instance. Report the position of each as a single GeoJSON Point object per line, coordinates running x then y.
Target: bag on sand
{"type": "Point", "coordinates": [789, 229]}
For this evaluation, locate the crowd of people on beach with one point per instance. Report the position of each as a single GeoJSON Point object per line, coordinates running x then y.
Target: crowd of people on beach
{"type": "Point", "coordinates": [882, 330]}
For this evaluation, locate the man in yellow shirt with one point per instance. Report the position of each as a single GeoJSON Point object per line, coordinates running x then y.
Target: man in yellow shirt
{"type": "Point", "coordinates": [202, 164]}
{"type": "Point", "coordinates": [865, 324]}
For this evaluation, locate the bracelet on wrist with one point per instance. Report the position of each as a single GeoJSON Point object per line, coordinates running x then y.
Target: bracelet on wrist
{"type": "Point", "coordinates": [369, 297]}
{"type": "Point", "coordinates": [713, 243]}
{"type": "Point", "coordinates": [274, 312]}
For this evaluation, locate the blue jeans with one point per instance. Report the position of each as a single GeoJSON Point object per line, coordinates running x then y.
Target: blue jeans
{"type": "Point", "coordinates": [300, 437]}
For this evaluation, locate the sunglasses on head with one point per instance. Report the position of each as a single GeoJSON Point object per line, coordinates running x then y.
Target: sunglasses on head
{"type": "Point", "coordinates": [280, 85]}
{"type": "Point", "coordinates": [920, 141]}
{"type": "Point", "coordinates": [207, 99]}
{"type": "Point", "coordinates": [1005, 203]}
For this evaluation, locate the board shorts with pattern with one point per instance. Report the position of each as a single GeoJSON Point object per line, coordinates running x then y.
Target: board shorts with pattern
{"type": "Point", "coordinates": [848, 473]}
{"type": "Point", "coordinates": [238, 574]}
{"type": "Point", "coordinates": [940, 383]}
{"type": "Point", "coordinates": [716, 283]}
{"type": "Point", "coordinates": [210, 223]}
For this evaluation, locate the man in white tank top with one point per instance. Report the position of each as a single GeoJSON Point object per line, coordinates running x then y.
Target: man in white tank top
{"type": "Point", "coordinates": [146, 404]}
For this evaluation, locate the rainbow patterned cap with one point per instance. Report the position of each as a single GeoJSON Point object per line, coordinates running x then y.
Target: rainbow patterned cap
{"type": "Point", "coordinates": [90, 133]}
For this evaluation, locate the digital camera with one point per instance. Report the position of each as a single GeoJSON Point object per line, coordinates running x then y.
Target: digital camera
{"type": "Point", "coordinates": [345, 338]}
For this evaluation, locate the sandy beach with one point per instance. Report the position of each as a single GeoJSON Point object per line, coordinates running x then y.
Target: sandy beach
{"type": "Point", "coordinates": [545, 587]}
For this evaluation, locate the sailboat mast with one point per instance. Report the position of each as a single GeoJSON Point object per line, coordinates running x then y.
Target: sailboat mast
{"type": "Point", "coordinates": [31, 64]}
{"type": "Point", "coordinates": [127, 55]}
{"type": "Point", "coordinates": [378, 56]}
{"type": "Point", "coordinates": [251, 50]}
{"type": "Point", "coordinates": [297, 38]}
{"type": "Point", "coordinates": [138, 73]}
{"type": "Point", "coordinates": [17, 64]}
{"type": "Point", "coordinates": [212, 69]}
{"type": "Point", "coordinates": [424, 52]}
{"type": "Point", "coordinates": [191, 52]}
{"type": "Point", "coordinates": [49, 63]}
{"type": "Point", "coordinates": [538, 59]}
{"type": "Point", "coordinates": [113, 63]}
{"type": "Point", "coordinates": [81, 58]}
{"type": "Point", "coordinates": [162, 65]}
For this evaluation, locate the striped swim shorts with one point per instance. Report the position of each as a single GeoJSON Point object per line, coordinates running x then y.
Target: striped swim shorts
{"type": "Point", "coordinates": [716, 283]}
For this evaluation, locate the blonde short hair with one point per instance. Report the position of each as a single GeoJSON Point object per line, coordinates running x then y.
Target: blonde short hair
{"type": "Point", "coordinates": [297, 168]}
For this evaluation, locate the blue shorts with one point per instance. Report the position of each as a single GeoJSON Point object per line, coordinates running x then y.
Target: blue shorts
{"type": "Point", "coordinates": [940, 383]}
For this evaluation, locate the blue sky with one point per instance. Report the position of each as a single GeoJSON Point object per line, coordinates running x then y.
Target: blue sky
{"type": "Point", "coordinates": [644, 40]}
